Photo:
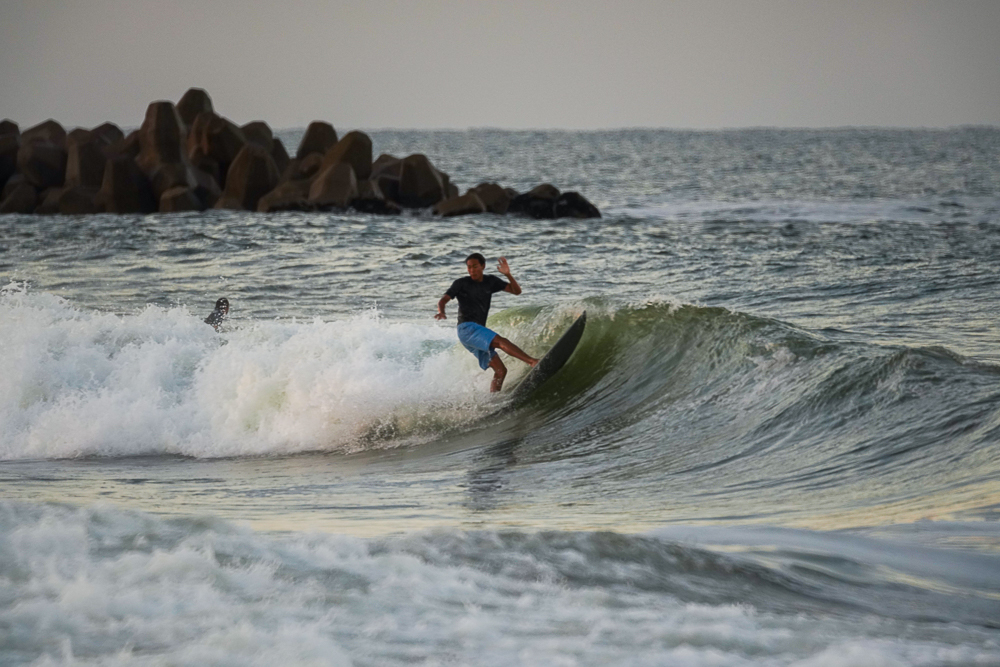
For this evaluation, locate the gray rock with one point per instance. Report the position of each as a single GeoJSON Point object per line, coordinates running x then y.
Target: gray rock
{"type": "Point", "coordinates": [279, 155]}
{"type": "Point", "coordinates": [355, 149]}
{"type": "Point", "coordinates": [539, 202]}
{"type": "Point", "coordinates": [467, 204]}
{"type": "Point", "coordinates": [42, 162]}
{"type": "Point", "coordinates": [85, 159]}
{"type": "Point", "coordinates": [386, 164]}
{"type": "Point", "coordinates": [302, 168]}
{"type": "Point", "coordinates": [74, 200]}
{"type": "Point", "coordinates": [12, 183]}
{"type": "Point", "coordinates": [23, 198]}
{"type": "Point", "coordinates": [125, 188]}
{"type": "Point", "coordinates": [574, 205]}
{"type": "Point", "coordinates": [179, 199]}
{"type": "Point", "coordinates": [126, 147]}
{"type": "Point", "coordinates": [79, 200]}
{"type": "Point", "coordinates": [370, 199]}
{"type": "Point", "coordinates": [420, 184]}
{"type": "Point", "coordinates": [8, 126]}
{"type": "Point", "coordinates": [213, 144]}
{"type": "Point", "coordinates": [252, 175]}
{"type": "Point", "coordinates": [49, 131]}
{"type": "Point", "coordinates": [287, 196]}
{"type": "Point", "coordinates": [319, 138]}
{"type": "Point", "coordinates": [207, 189]}
{"type": "Point", "coordinates": [49, 201]}
{"type": "Point", "coordinates": [10, 144]}
{"type": "Point", "coordinates": [108, 134]}
{"type": "Point", "coordinates": [161, 151]}
{"type": "Point", "coordinates": [258, 132]}
{"type": "Point", "coordinates": [192, 103]}
{"type": "Point", "coordinates": [334, 187]}
{"type": "Point", "coordinates": [494, 197]}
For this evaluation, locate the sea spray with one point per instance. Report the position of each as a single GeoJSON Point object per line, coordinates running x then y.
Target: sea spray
{"type": "Point", "coordinates": [162, 382]}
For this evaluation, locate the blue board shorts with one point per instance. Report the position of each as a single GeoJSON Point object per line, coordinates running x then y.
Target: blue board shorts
{"type": "Point", "coordinates": [476, 338]}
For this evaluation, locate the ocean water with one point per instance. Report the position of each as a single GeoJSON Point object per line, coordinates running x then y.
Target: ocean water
{"type": "Point", "coordinates": [778, 442]}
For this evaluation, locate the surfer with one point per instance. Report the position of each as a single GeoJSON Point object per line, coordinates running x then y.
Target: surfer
{"type": "Point", "coordinates": [474, 294]}
{"type": "Point", "coordinates": [219, 314]}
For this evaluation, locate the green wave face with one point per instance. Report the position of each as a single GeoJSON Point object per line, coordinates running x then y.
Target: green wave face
{"type": "Point", "coordinates": [722, 403]}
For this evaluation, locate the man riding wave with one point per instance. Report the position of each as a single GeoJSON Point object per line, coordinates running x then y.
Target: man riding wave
{"type": "Point", "coordinates": [474, 294]}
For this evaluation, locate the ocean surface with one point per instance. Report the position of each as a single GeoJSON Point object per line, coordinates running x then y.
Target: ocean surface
{"type": "Point", "coordinates": [778, 442]}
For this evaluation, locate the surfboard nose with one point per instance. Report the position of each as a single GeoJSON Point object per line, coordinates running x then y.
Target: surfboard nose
{"type": "Point", "coordinates": [554, 359]}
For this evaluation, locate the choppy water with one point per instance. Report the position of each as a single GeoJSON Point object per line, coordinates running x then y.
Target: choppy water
{"type": "Point", "coordinates": [778, 442]}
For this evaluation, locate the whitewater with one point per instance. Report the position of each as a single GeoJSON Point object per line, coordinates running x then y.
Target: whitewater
{"type": "Point", "coordinates": [778, 442]}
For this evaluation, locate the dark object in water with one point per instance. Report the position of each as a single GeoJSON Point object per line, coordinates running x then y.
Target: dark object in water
{"type": "Point", "coordinates": [219, 314]}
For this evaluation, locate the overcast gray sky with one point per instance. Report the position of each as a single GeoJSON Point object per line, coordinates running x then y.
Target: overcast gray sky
{"type": "Point", "coordinates": [538, 64]}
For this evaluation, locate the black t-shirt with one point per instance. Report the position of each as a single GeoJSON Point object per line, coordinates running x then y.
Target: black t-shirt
{"type": "Point", "coordinates": [474, 298]}
{"type": "Point", "coordinates": [215, 319]}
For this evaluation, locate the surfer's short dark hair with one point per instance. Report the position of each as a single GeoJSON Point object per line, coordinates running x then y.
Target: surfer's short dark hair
{"type": "Point", "coordinates": [222, 303]}
{"type": "Point", "coordinates": [478, 257]}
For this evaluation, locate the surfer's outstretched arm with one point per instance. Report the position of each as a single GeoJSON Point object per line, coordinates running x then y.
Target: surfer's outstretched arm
{"type": "Point", "coordinates": [441, 304]}
{"type": "Point", "coordinates": [504, 268]}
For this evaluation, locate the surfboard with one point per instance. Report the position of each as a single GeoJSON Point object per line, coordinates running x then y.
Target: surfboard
{"type": "Point", "coordinates": [554, 359]}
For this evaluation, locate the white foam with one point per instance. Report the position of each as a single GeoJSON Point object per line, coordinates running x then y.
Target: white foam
{"type": "Point", "coordinates": [101, 586]}
{"type": "Point", "coordinates": [79, 382]}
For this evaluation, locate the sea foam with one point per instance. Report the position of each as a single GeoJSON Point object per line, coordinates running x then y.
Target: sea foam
{"type": "Point", "coordinates": [160, 381]}
{"type": "Point", "coordinates": [102, 586]}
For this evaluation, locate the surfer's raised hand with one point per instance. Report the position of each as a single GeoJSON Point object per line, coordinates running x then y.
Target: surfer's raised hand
{"type": "Point", "coordinates": [504, 268]}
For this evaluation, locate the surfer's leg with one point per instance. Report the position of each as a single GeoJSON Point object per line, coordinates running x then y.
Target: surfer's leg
{"type": "Point", "coordinates": [499, 373]}
{"type": "Point", "coordinates": [513, 350]}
